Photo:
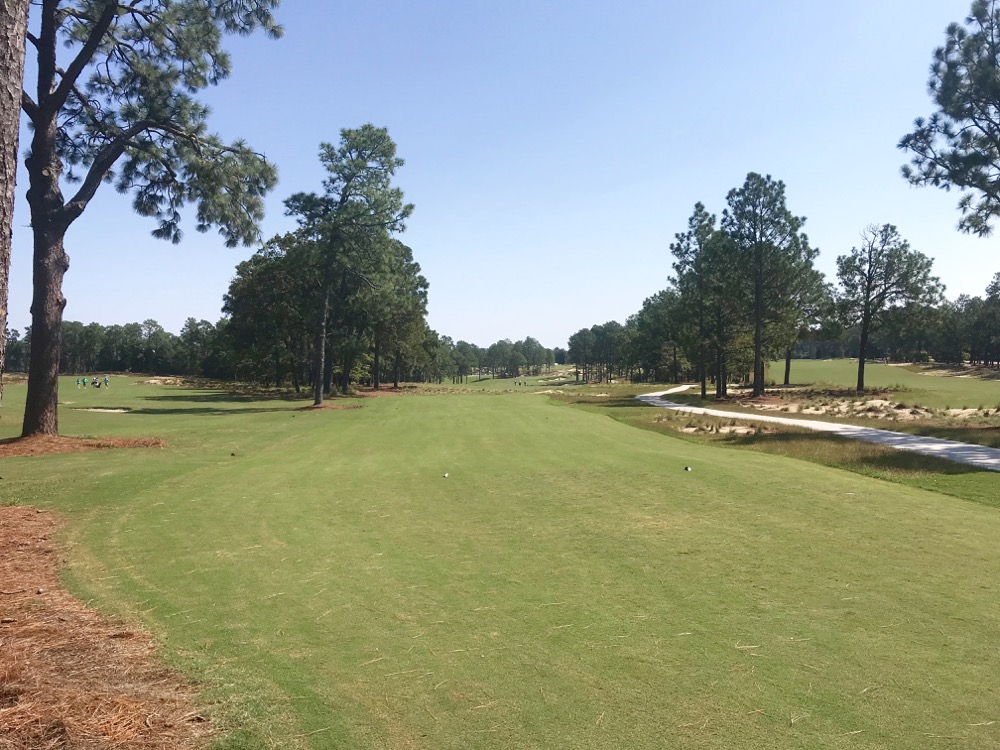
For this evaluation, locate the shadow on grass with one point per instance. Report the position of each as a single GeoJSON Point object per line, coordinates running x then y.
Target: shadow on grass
{"type": "Point", "coordinates": [201, 397]}
{"type": "Point", "coordinates": [199, 403]}
{"type": "Point", "coordinates": [847, 452]}
{"type": "Point", "coordinates": [981, 372]}
{"type": "Point", "coordinates": [609, 403]}
{"type": "Point", "coordinates": [209, 410]}
{"type": "Point", "coordinates": [972, 434]}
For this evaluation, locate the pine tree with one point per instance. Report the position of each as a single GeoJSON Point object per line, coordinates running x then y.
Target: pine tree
{"type": "Point", "coordinates": [774, 255]}
{"type": "Point", "coordinates": [120, 108]}
{"type": "Point", "coordinates": [349, 222]}
{"type": "Point", "coordinates": [884, 272]}
{"type": "Point", "coordinates": [959, 144]}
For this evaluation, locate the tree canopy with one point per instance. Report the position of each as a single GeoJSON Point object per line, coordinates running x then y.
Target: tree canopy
{"type": "Point", "coordinates": [882, 273]}
{"type": "Point", "coordinates": [349, 225]}
{"type": "Point", "coordinates": [114, 101]}
{"type": "Point", "coordinates": [775, 258]}
{"type": "Point", "coordinates": [959, 144]}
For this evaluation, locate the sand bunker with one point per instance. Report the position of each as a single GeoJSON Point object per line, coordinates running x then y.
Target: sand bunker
{"type": "Point", "coordinates": [162, 381]}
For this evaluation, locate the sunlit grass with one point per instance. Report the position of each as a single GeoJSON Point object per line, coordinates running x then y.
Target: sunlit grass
{"type": "Point", "coordinates": [857, 456]}
{"type": "Point", "coordinates": [927, 385]}
{"type": "Point", "coordinates": [568, 585]}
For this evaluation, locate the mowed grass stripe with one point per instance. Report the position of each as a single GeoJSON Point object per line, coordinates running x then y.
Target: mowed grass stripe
{"type": "Point", "coordinates": [568, 585]}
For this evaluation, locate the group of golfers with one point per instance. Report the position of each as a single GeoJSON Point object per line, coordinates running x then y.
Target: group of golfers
{"type": "Point", "coordinates": [95, 381]}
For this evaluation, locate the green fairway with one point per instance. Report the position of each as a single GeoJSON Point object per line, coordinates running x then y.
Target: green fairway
{"type": "Point", "coordinates": [929, 386]}
{"type": "Point", "coordinates": [568, 585]}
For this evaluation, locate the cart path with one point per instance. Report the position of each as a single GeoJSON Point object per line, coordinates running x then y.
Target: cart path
{"type": "Point", "coordinates": [951, 450]}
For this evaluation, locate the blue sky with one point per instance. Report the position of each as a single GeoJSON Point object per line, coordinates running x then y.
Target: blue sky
{"type": "Point", "coordinates": [553, 149]}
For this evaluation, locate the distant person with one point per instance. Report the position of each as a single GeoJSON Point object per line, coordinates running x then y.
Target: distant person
{"type": "Point", "coordinates": [84, 382]}
{"type": "Point", "coordinates": [106, 381]}
{"type": "Point", "coordinates": [97, 383]}
{"type": "Point", "coordinates": [78, 383]}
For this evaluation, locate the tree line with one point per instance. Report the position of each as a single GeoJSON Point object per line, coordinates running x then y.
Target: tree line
{"type": "Point", "coordinates": [341, 300]}
{"type": "Point", "coordinates": [657, 344]}
{"type": "Point", "coordinates": [111, 98]}
{"type": "Point", "coordinates": [745, 291]}
{"type": "Point", "coordinates": [222, 351]}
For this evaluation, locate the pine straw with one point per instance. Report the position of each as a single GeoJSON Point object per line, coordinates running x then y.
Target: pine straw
{"type": "Point", "coordinates": [69, 677]}
{"type": "Point", "coordinates": [42, 445]}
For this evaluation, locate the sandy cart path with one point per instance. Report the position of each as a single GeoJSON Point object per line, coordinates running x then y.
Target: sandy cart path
{"type": "Point", "coordinates": [964, 453]}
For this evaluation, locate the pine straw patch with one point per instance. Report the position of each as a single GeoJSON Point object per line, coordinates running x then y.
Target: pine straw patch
{"type": "Point", "coordinates": [43, 445]}
{"type": "Point", "coordinates": [69, 677]}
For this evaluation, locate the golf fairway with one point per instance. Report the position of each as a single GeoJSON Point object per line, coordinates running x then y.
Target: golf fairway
{"type": "Point", "coordinates": [568, 585]}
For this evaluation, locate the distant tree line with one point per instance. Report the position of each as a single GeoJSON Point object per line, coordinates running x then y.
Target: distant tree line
{"type": "Point", "coordinates": [341, 300]}
{"type": "Point", "coordinates": [744, 291]}
{"type": "Point", "coordinates": [338, 301]}
{"type": "Point", "coordinates": [221, 351]}
{"type": "Point", "coordinates": [200, 349]}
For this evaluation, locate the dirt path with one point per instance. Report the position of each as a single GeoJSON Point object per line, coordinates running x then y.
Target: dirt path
{"type": "Point", "coordinates": [951, 450]}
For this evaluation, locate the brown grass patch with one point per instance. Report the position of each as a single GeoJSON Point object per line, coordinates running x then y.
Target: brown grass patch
{"type": "Point", "coordinates": [69, 677]}
{"type": "Point", "coordinates": [43, 445]}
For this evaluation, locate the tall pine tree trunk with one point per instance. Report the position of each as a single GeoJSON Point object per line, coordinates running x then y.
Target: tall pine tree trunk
{"type": "Point", "coordinates": [788, 365]}
{"type": "Point", "coordinates": [758, 323]}
{"type": "Point", "coordinates": [702, 357]}
{"type": "Point", "coordinates": [345, 375]}
{"type": "Point", "coordinates": [865, 324]}
{"type": "Point", "coordinates": [13, 25]}
{"type": "Point", "coordinates": [48, 302]}
{"type": "Point", "coordinates": [49, 222]}
{"type": "Point", "coordinates": [328, 371]}
{"type": "Point", "coordinates": [319, 349]}
{"type": "Point", "coordinates": [721, 389]}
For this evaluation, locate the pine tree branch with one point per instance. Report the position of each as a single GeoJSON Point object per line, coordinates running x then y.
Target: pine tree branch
{"type": "Point", "coordinates": [28, 106]}
{"type": "Point", "coordinates": [54, 103]}
{"type": "Point", "coordinates": [85, 103]}
{"type": "Point", "coordinates": [47, 53]}
{"type": "Point", "coordinates": [102, 164]}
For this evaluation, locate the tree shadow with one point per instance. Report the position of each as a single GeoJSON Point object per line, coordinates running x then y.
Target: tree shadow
{"type": "Point", "coordinates": [197, 402]}
{"type": "Point", "coordinates": [988, 436]}
{"type": "Point", "coordinates": [609, 403]}
{"type": "Point", "coordinates": [210, 410]}
{"type": "Point", "coordinates": [202, 396]}
{"type": "Point", "coordinates": [980, 372]}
